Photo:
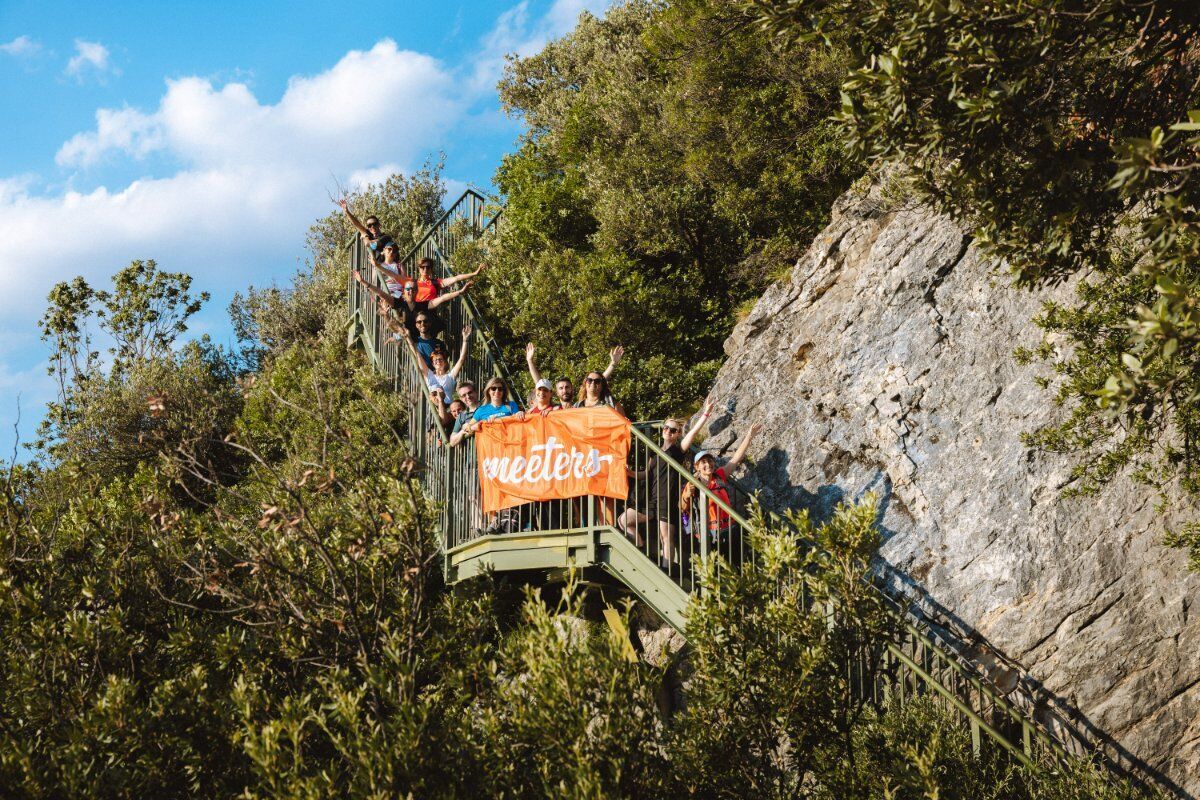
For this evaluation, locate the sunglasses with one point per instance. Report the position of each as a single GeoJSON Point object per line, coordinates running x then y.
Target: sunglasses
{"type": "Point", "coordinates": [496, 389]}
{"type": "Point", "coordinates": [374, 223]}
{"type": "Point", "coordinates": [422, 322]}
{"type": "Point", "coordinates": [670, 429]}
{"type": "Point", "coordinates": [590, 379]}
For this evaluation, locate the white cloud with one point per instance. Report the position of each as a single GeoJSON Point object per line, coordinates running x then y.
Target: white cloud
{"type": "Point", "coordinates": [11, 189]}
{"type": "Point", "coordinates": [361, 178]}
{"type": "Point", "coordinates": [126, 129]}
{"type": "Point", "coordinates": [251, 173]}
{"type": "Point", "coordinates": [515, 33]}
{"type": "Point", "coordinates": [90, 58]}
{"type": "Point", "coordinates": [21, 47]}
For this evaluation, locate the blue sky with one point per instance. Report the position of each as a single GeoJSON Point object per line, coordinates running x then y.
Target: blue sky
{"type": "Point", "coordinates": [207, 135]}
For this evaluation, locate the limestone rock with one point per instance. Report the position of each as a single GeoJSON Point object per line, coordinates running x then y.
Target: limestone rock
{"type": "Point", "coordinates": [884, 363]}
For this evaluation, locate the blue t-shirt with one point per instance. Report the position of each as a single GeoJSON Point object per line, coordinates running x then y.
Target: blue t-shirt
{"type": "Point", "coordinates": [426, 347]}
{"type": "Point", "coordinates": [488, 411]}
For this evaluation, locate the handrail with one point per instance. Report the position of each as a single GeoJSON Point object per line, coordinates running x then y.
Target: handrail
{"type": "Point", "coordinates": [914, 655]}
{"type": "Point", "coordinates": [474, 203]}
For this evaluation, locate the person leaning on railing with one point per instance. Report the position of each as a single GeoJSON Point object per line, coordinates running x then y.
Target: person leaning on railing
{"type": "Point", "coordinates": [564, 388]}
{"type": "Point", "coordinates": [390, 268]}
{"type": "Point", "coordinates": [659, 499]}
{"type": "Point", "coordinates": [430, 288]}
{"type": "Point", "coordinates": [372, 234]}
{"type": "Point", "coordinates": [439, 407]}
{"type": "Point", "coordinates": [470, 400]}
{"type": "Point", "coordinates": [723, 533]}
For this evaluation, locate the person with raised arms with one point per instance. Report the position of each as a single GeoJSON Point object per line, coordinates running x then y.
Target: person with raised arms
{"type": "Point", "coordinates": [372, 234]}
{"type": "Point", "coordinates": [715, 479]}
{"type": "Point", "coordinates": [595, 392]}
{"type": "Point", "coordinates": [439, 374]}
{"type": "Point", "coordinates": [430, 288]}
{"type": "Point", "coordinates": [542, 402]}
{"type": "Point", "coordinates": [563, 386]}
{"type": "Point", "coordinates": [657, 500]}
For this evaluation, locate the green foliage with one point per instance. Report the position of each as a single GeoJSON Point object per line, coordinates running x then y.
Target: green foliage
{"type": "Point", "coordinates": [146, 399]}
{"type": "Point", "coordinates": [771, 703]}
{"type": "Point", "coordinates": [1065, 134]}
{"type": "Point", "coordinates": [272, 318]}
{"type": "Point", "coordinates": [568, 715]}
{"type": "Point", "coordinates": [671, 167]}
{"type": "Point", "coordinates": [226, 584]}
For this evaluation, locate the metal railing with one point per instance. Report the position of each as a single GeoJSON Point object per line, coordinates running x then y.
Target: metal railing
{"type": "Point", "coordinates": [912, 661]}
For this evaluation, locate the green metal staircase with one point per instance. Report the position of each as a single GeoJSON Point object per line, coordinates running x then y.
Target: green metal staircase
{"type": "Point", "coordinates": [582, 534]}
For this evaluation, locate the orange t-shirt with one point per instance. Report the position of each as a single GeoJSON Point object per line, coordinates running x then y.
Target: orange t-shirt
{"type": "Point", "coordinates": [427, 290]}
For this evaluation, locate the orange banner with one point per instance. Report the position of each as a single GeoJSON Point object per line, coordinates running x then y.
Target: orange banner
{"type": "Point", "coordinates": [569, 452]}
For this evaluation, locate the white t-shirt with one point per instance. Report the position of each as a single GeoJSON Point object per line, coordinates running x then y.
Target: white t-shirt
{"type": "Point", "coordinates": [446, 382]}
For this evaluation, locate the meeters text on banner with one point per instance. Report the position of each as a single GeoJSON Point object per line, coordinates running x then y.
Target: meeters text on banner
{"type": "Point", "coordinates": [569, 452]}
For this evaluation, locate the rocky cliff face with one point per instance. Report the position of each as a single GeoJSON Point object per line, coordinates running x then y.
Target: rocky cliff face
{"type": "Point", "coordinates": [884, 363]}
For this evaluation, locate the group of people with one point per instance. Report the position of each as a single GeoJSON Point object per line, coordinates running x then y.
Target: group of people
{"type": "Point", "coordinates": [663, 505]}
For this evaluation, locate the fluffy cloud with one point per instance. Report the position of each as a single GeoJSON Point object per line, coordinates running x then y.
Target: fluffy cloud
{"type": "Point", "coordinates": [21, 47]}
{"type": "Point", "coordinates": [249, 175]}
{"type": "Point", "coordinates": [91, 58]}
{"type": "Point", "coordinates": [126, 129]}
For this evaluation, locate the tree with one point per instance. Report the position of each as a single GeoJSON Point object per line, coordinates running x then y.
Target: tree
{"type": "Point", "coordinates": [145, 398]}
{"type": "Point", "coordinates": [670, 168]}
{"type": "Point", "coordinates": [1063, 134]}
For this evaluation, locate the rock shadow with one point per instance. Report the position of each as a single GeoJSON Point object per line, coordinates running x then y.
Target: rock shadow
{"type": "Point", "coordinates": [974, 651]}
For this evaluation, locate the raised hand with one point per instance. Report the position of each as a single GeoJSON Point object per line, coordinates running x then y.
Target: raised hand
{"type": "Point", "coordinates": [708, 407]}
{"type": "Point", "coordinates": [530, 349]}
{"type": "Point", "coordinates": [343, 204]}
{"type": "Point", "coordinates": [754, 429]}
{"type": "Point", "coordinates": [467, 330]}
{"type": "Point", "coordinates": [616, 354]}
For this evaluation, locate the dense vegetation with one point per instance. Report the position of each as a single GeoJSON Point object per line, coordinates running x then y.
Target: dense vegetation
{"type": "Point", "coordinates": [218, 575]}
{"type": "Point", "coordinates": [219, 578]}
{"type": "Point", "coordinates": [672, 166]}
{"type": "Point", "coordinates": [1064, 134]}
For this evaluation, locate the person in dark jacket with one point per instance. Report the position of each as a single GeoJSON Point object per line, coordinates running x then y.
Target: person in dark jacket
{"type": "Point", "coordinates": [655, 497]}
